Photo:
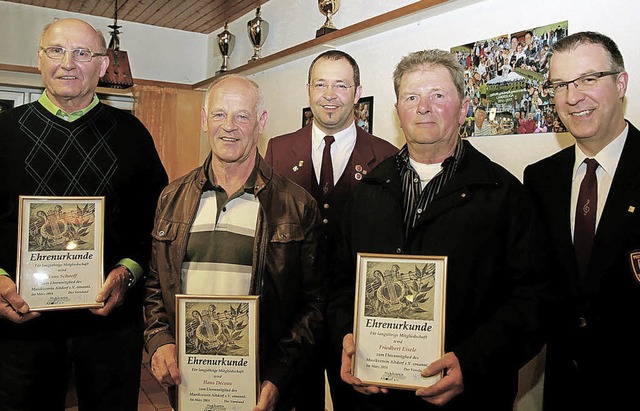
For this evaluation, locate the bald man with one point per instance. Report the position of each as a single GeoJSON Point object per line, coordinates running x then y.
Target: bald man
{"type": "Point", "coordinates": [238, 228]}
{"type": "Point", "coordinates": [70, 144]}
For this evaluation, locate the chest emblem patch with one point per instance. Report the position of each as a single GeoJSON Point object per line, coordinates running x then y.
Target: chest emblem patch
{"type": "Point", "coordinates": [634, 259]}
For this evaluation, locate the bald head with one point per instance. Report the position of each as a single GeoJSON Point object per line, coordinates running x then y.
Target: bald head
{"type": "Point", "coordinates": [70, 84]}
{"type": "Point", "coordinates": [76, 25]}
{"type": "Point", "coordinates": [233, 117]}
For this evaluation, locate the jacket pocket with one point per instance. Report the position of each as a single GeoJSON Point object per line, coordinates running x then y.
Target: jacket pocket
{"type": "Point", "coordinates": [165, 231]}
{"type": "Point", "coordinates": [286, 232]}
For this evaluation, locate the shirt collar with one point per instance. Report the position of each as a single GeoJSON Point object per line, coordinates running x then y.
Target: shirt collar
{"type": "Point", "coordinates": [60, 113]}
{"type": "Point", "coordinates": [608, 157]}
{"type": "Point", "coordinates": [248, 186]}
{"type": "Point", "coordinates": [403, 157]}
{"type": "Point", "coordinates": [343, 138]}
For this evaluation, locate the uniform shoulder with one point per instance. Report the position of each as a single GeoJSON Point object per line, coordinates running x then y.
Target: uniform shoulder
{"type": "Point", "coordinates": [288, 137]}
{"type": "Point", "coordinates": [549, 162]}
{"type": "Point", "coordinates": [378, 143]}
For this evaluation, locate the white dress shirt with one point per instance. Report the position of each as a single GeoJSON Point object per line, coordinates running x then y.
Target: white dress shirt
{"type": "Point", "coordinates": [607, 159]}
{"type": "Point", "coordinates": [341, 149]}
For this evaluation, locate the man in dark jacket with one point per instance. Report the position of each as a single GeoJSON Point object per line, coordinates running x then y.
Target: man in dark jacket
{"type": "Point", "coordinates": [440, 196]}
{"type": "Point", "coordinates": [235, 227]}
{"type": "Point", "coordinates": [334, 88]}
{"type": "Point", "coordinates": [598, 269]}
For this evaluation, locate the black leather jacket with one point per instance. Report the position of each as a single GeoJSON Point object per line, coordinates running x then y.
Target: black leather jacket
{"type": "Point", "coordinates": [285, 273]}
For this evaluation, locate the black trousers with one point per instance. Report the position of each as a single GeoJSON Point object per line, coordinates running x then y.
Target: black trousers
{"type": "Point", "coordinates": [34, 372]}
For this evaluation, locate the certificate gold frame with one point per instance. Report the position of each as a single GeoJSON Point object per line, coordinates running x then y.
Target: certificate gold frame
{"type": "Point", "coordinates": [60, 252]}
{"type": "Point", "coordinates": [217, 351]}
{"type": "Point", "coordinates": [399, 318]}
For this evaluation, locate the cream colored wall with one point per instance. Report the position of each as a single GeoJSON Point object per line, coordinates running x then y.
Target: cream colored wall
{"type": "Point", "coordinates": [154, 53]}
{"type": "Point", "coordinates": [284, 86]}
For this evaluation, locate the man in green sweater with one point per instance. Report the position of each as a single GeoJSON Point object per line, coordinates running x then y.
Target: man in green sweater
{"type": "Point", "coordinates": [69, 144]}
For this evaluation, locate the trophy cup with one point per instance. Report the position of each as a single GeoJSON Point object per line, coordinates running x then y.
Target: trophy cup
{"type": "Point", "coordinates": [258, 30]}
{"type": "Point", "coordinates": [226, 43]}
{"type": "Point", "coordinates": [328, 8]}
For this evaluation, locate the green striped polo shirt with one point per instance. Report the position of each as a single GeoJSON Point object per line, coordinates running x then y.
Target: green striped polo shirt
{"type": "Point", "coordinates": [220, 247]}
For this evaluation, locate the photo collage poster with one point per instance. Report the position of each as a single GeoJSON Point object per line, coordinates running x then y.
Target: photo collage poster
{"type": "Point", "coordinates": [505, 76]}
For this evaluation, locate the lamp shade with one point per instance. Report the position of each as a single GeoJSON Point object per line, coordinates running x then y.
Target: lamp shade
{"type": "Point", "coordinates": [118, 74]}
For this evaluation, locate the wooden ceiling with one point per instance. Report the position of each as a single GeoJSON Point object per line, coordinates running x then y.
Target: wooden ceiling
{"type": "Point", "coordinates": [199, 16]}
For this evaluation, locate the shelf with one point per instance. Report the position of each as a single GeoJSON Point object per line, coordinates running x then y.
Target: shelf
{"type": "Point", "coordinates": [367, 28]}
{"type": "Point", "coordinates": [402, 16]}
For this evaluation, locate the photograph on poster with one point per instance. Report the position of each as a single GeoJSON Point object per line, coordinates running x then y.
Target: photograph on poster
{"type": "Point", "coordinates": [307, 116]}
{"type": "Point", "coordinates": [504, 78]}
{"type": "Point", "coordinates": [399, 319]}
{"type": "Point", "coordinates": [363, 112]}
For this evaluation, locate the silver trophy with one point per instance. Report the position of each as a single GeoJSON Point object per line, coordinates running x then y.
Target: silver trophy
{"type": "Point", "coordinates": [226, 43]}
{"type": "Point", "coordinates": [258, 30]}
{"type": "Point", "coordinates": [328, 8]}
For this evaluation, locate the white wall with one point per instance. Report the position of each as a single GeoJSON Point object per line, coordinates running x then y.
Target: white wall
{"type": "Point", "coordinates": [292, 22]}
{"type": "Point", "coordinates": [284, 86]}
{"type": "Point", "coordinates": [154, 53]}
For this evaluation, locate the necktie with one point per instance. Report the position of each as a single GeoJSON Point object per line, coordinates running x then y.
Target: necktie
{"type": "Point", "coordinates": [585, 226]}
{"type": "Point", "coordinates": [326, 172]}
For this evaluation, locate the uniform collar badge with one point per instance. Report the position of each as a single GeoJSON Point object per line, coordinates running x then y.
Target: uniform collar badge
{"type": "Point", "coordinates": [300, 164]}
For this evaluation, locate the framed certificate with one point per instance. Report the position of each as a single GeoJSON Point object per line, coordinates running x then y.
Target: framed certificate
{"type": "Point", "coordinates": [217, 350]}
{"type": "Point", "coordinates": [399, 318]}
{"type": "Point", "coordinates": [60, 247]}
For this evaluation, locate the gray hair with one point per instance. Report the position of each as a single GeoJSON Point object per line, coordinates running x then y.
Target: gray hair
{"type": "Point", "coordinates": [429, 58]}
{"type": "Point", "coordinates": [259, 98]}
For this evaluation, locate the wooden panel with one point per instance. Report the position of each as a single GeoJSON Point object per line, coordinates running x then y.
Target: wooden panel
{"type": "Point", "coordinates": [154, 8]}
{"type": "Point", "coordinates": [199, 16]}
{"type": "Point", "coordinates": [165, 17]}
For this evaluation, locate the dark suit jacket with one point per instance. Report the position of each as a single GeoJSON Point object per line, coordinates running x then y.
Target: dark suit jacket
{"type": "Point", "coordinates": [286, 152]}
{"type": "Point", "coordinates": [290, 155]}
{"type": "Point", "coordinates": [595, 325]}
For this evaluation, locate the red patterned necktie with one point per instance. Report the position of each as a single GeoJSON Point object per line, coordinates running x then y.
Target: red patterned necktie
{"type": "Point", "coordinates": [586, 208]}
{"type": "Point", "coordinates": [326, 172]}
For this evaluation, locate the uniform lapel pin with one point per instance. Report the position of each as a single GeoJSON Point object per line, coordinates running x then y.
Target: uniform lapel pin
{"type": "Point", "coordinates": [300, 164]}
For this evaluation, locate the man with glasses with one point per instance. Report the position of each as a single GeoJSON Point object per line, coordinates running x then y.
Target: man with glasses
{"type": "Point", "coordinates": [328, 158]}
{"type": "Point", "coordinates": [70, 144]}
{"type": "Point", "coordinates": [588, 194]}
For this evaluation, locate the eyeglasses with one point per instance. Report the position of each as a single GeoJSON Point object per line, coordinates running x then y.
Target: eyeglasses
{"type": "Point", "coordinates": [582, 83]}
{"type": "Point", "coordinates": [58, 53]}
{"type": "Point", "coordinates": [321, 85]}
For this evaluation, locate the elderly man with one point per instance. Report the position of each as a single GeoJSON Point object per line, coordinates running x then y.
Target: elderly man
{"type": "Point", "coordinates": [69, 144]}
{"type": "Point", "coordinates": [588, 197]}
{"type": "Point", "coordinates": [306, 158]}
{"type": "Point", "coordinates": [440, 196]}
{"type": "Point", "coordinates": [238, 228]}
